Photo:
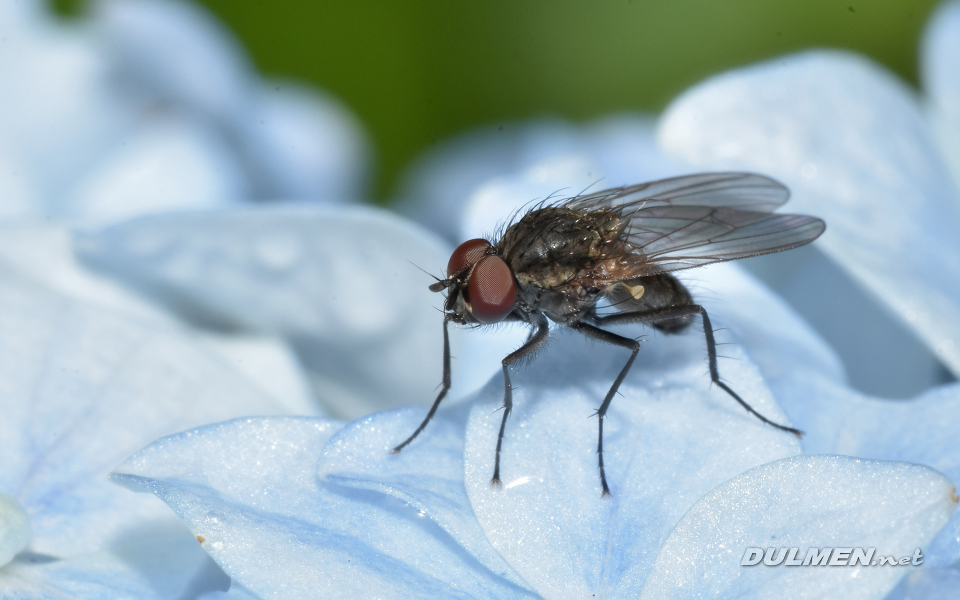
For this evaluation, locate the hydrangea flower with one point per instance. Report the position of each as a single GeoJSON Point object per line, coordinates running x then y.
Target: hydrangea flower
{"type": "Point", "coordinates": [294, 507]}
{"type": "Point", "coordinates": [301, 506]}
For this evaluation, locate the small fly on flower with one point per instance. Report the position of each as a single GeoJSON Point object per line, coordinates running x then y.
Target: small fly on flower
{"type": "Point", "coordinates": [559, 259]}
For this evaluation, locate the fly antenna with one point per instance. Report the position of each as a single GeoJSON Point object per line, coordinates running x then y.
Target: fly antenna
{"type": "Point", "coordinates": [425, 271]}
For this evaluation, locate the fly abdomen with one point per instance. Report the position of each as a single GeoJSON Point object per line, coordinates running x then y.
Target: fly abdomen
{"type": "Point", "coordinates": [651, 293]}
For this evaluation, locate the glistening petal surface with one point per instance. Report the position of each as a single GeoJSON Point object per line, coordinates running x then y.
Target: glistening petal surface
{"type": "Point", "coordinates": [250, 489]}
{"type": "Point", "coordinates": [803, 501]}
{"type": "Point", "coordinates": [428, 474]}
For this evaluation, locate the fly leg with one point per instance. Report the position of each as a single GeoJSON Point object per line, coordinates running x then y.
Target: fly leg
{"type": "Point", "coordinates": [617, 340]}
{"type": "Point", "coordinates": [533, 332]}
{"type": "Point", "coordinates": [443, 388]}
{"type": "Point", "coordinates": [673, 312]}
{"type": "Point", "coordinates": [533, 343]}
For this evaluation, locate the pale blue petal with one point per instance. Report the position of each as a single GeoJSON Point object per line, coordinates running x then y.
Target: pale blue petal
{"type": "Point", "coordinates": [437, 186]}
{"type": "Point", "coordinates": [15, 529]}
{"type": "Point", "coordinates": [343, 284]}
{"type": "Point", "coordinates": [59, 114]}
{"type": "Point", "coordinates": [249, 489]}
{"type": "Point", "coordinates": [18, 195]}
{"type": "Point", "coordinates": [302, 145]}
{"type": "Point", "coordinates": [940, 59]}
{"type": "Point", "coordinates": [668, 439]}
{"type": "Point", "coordinates": [771, 332]}
{"type": "Point", "coordinates": [166, 165]}
{"type": "Point", "coordinates": [43, 253]}
{"type": "Point", "coordinates": [922, 430]}
{"type": "Point", "coordinates": [269, 364]}
{"type": "Point", "coordinates": [494, 204]}
{"type": "Point", "coordinates": [851, 143]}
{"type": "Point", "coordinates": [881, 355]}
{"type": "Point", "coordinates": [178, 52]}
{"type": "Point", "coordinates": [21, 15]}
{"type": "Point", "coordinates": [82, 389]}
{"type": "Point", "coordinates": [804, 501]}
{"type": "Point", "coordinates": [806, 379]}
{"type": "Point", "coordinates": [476, 356]}
{"type": "Point", "coordinates": [928, 584]}
{"type": "Point", "coordinates": [292, 143]}
{"type": "Point", "coordinates": [940, 74]}
{"type": "Point", "coordinates": [533, 160]}
{"type": "Point", "coordinates": [428, 474]}
{"type": "Point", "coordinates": [155, 563]}
{"type": "Point", "coordinates": [625, 147]}
{"type": "Point", "coordinates": [234, 593]}
{"type": "Point", "coordinates": [612, 152]}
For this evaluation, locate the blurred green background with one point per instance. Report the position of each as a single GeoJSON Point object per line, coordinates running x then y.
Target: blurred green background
{"type": "Point", "coordinates": [416, 72]}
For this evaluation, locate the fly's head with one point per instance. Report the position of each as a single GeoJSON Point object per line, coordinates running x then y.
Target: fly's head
{"type": "Point", "coordinates": [481, 287]}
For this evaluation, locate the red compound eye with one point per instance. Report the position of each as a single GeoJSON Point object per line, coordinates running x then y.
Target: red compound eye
{"type": "Point", "coordinates": [466, 255]}
{"type": "Point", "coordinates": [491, 290]}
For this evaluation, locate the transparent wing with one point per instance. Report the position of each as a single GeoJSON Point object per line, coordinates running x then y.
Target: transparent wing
{"type": "Point", "coordinates": [671, 237]}
{"type": "Point", "coordinates": [745, 191]}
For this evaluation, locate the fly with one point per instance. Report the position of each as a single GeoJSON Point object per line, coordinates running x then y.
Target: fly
{"type": "Point", "coordinates": [558, 260]}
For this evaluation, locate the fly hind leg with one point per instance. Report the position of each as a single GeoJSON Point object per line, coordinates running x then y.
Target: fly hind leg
{"type": "Point", "coordinates": [673, 313]}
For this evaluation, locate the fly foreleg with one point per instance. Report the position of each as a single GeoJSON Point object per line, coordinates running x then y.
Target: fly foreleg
{"type": "Point", "coordinates": [617, 340]}
{"type": "Point", "coordinates": [533, 343]}
{"type": "Point", "coordinates": [443, 388]}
